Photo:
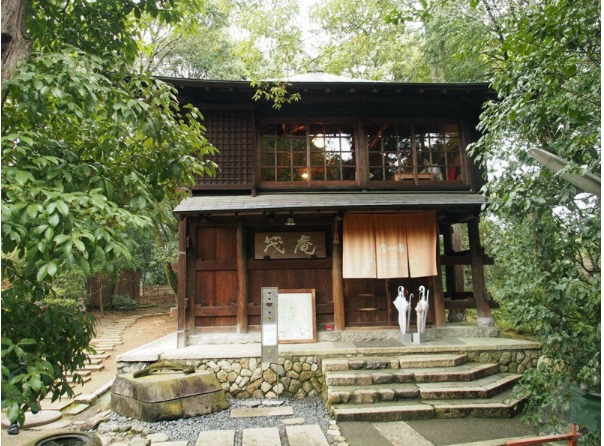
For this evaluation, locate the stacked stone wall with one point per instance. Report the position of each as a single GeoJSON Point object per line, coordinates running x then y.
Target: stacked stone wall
{"type": "Point", "coordinates": [301, 376]}
{"type": "Point", "coordinates": [514, 361]}
{"type": "Point", "coordinates": [296, 377]}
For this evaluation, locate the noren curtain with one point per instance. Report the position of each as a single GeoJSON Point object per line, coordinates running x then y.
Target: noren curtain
{"type": "Point", "coordinates": [358, 247]}
{"type": "Point", "coordinates": [389, 245]}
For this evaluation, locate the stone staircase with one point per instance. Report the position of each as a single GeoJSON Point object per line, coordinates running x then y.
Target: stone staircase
{"type": "Point", "coordinates": [421, 386]}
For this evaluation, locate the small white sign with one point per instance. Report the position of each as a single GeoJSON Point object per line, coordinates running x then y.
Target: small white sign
{"type": "Point", "coordinates": [269, 334]}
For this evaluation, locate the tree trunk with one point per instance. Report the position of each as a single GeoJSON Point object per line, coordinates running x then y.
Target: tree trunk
{"type": "Point", "coordinates": [15, 44]}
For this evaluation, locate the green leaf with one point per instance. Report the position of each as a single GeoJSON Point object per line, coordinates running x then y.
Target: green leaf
{"type": "Point", "coordinates": [62, 207]}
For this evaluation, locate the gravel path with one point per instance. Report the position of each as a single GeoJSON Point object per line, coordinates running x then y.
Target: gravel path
{"type": "Point", "coordinates": [311, 409]}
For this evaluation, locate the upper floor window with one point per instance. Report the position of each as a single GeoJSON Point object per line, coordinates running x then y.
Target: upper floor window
{"type": "Point", "coordinates": [307, 152]}
{"type": "Point", "coordinates": [433, 155]}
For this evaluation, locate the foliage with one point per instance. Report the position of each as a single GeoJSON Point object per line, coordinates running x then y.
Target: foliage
{"type": "Point", "coordinates": [123, 302]}
{"type": "Point", "coordinates": [207, 53]}
{"type": "Point", "coordinates": [88, 151]}
{"type": "Point", "coordinates": [40, 343]}
{"type": "Point", "coordinates": [360, 43]}
{"type": "Point", "coordinates": [548, 83]}
{"type": "Point", "coordinates": [70, 285]}
{"type": "Point", "coordinates": [103, 27]}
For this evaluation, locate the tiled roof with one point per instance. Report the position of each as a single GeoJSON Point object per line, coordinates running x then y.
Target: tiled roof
{"type": "Point", "coordinates": [332, 200]}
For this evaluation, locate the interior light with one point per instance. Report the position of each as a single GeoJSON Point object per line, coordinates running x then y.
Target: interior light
{"type": "Point", "coordinates": [305, 176]}
{"type": "Point", "coordinates": [290, 220]}
{"type": "Point", "coordinates": [318, 141]}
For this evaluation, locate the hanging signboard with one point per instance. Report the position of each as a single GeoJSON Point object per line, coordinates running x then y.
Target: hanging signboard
{"type": "Point", "coordinates": [289, 245]}
{"type": "Point", "coordinates": [297, 316]}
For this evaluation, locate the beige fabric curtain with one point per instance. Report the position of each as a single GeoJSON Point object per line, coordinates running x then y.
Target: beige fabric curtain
{"type": "Point", "coordinates": [358, 247]}
{"type": "Point", "coordinates": [421, 244]}
{"type": "Point", "coordinates": [385, 246]}
{"type": "Point", "coordinates": [391, 245]}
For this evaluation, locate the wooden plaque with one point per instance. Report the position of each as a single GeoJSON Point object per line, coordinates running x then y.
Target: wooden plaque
{"type": "Point", "coordinates": [289, 245]}
{"type": "Point", "coordinates": [297, 316]}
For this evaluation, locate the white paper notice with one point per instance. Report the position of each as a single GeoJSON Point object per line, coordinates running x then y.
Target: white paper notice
{"type": "Point", "coordinates": [269, 334]}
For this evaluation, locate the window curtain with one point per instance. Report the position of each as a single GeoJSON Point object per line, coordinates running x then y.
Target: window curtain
{"type": "Point", "coordinates": [386, 246]}
{"type": "Point", "coordinates": [358, 247]}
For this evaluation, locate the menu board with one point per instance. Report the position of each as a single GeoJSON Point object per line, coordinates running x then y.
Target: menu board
{"type": "Point", "coordinates": [297, 319]}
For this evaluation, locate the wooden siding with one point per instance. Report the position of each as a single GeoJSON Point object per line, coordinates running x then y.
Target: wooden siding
{"type": "Point", "coordinates": [232, 133]}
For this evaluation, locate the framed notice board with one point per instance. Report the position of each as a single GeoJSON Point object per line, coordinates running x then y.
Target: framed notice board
{"type": "Point", "coordinates": [297, 317]}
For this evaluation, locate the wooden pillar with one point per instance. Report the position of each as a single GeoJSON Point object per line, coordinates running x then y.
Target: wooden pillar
{"type": "Point", "coordinates": [339, 309]}
{"type": "Point", "coordinates": [449, 269]}
{"type": "Point", "coordinates": [241, 278]}
{"type": "Point", "coordinates": [458, 246]}
{"type": "Point", "coordinates": [191, 250]}
{"type": "Point", "coordinates": [181, 336]}
{"type": "Point", "coordinates": [483, 309]}
{"type": "Point", "coordinates": [439, 298]}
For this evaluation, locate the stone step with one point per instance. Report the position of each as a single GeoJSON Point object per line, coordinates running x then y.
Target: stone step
{"type": "Point", "coordinates": [394, 362]}
{"type": "Point", "coordinates": [94, 368]}
{"type": "Point", "coordinates": [371, 394]}
{"type": "Point", "coordinates": [465, 372]}
{"type": "Point", "coordinates": [85, 379]}
{"type": "Point", "coordinates": [427, 361]}
{"type": "Point", "coordinates": [394, 411]}
{"type": "Point", "coordinates": [374, 393]}
{"type": "Point", "coordinates": [93, 361]}
{"type": "Point", "coordinates": [504, 405]}
{"type": "Point", "coordinates": [79, 372]}
{"type": "Point", "coordinates": [102, 356]}
{"type": "Point", "coordinates": [480, 388]}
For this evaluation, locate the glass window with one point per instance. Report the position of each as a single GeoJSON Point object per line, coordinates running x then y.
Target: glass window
{"type": "Point", "coordinates": [391, 152]}
{"type": "Point", "coordinates": [307, 152]}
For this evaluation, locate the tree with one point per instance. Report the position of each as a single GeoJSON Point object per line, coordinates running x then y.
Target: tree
{"type": "Point", "coordinates": [89, 148]}
{"type": "Point", "coordinates": [543, 59]}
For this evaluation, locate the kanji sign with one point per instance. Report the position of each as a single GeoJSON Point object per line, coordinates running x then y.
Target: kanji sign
{"type": "Point", "coordinates": [289, 245]}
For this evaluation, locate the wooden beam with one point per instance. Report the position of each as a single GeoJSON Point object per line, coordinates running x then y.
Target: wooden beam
{"type": "Point", "coordinates": [462, 304]}
{"type": "Point", "coordinates": [339, 309]}
{"type": "Point", "coordinates": [181, 337]}
{"type": "Point", "coordinates": [466, 259]}
{"type": "Point", "coordinates": [483, 310]}
{"type": "Point", "coordinates": [439, 299]}
{"type": "Point", "coordinates": [254, 264]}
{"type": "Point", "coordinates": [241, 278]}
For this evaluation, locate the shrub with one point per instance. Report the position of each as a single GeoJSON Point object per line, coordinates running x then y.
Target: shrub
{"type": "Point", "coordinates": [123, 302]}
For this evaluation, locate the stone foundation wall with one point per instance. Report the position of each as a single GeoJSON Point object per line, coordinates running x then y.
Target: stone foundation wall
{"type": "Point", "coordinates": [296, 377]}
{"type": "Point", "coordinates": [299, 377]}
{"type": "Point", "coordinates": [514, 361]}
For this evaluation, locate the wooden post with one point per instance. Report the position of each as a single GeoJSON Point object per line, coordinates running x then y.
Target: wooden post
{"type": "Point", "coordinates": [439, 298]}
{"type": "Point", "coordinates": [449, 269]}
{"type": "Point", "coordinates": [241, 278]}
{"type": "Point", "coordinates": [483, 309]}
{"type": "Point", "coordinates": [191, 250]}
{"type": "Point", "coordinates": [181, 337]}
{"type": "Point", "coordinates": [339, 309]}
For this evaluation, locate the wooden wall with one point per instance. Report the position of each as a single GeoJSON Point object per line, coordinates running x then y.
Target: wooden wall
{"type": "Point", "coordinates": [368, 302]}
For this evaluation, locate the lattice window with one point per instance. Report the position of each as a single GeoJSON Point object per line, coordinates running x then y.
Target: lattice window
{"type": "Point", "coordinates": [232, 133]}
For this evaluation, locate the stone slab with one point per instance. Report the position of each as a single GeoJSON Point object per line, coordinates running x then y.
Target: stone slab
{"type": "Point", "coordinates": [57, 405]}
{"type": "Point", "coordinates": [216, 438]}
{"type": "Point", "coordinates": [87, 398]}
{"type": "Point", "coordinates": [171, 443]}
{"type": "Point", "coordinates": [94, 368]}
{"type": "Point", "coordinates": [59, 424]}
{"type": "Point", "coordinates": [39, 419]}
{"type": "Point", "coordinates": [263, 436]}
{"type": "Point", "coordinates": [158, 437]}
{"type": "Point", "coordinates": [103, 356]}
{"type": "Point", "coordinates": [77, 409]}
{"type": "Point", "coordinates": [311, 435]}
{"type": "Point", "coordinates": [400, 433]}
{"type": "Point", "coordinates": [253, 412]}
{"type": "Point", "coordinates": [293, 421]}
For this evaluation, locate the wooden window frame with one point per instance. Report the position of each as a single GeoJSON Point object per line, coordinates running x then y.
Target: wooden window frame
{"type": "Point", "coordinates": [309, 182]}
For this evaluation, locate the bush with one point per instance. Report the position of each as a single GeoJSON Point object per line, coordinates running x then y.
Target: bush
{"type": "Point", "coordinates": [41, 342]}
{"type": "Point", "coordinates": [123, 302]}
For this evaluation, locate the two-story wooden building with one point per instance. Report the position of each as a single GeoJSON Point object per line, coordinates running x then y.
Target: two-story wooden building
{"type": "Point", "coordinates": [344, 192]}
